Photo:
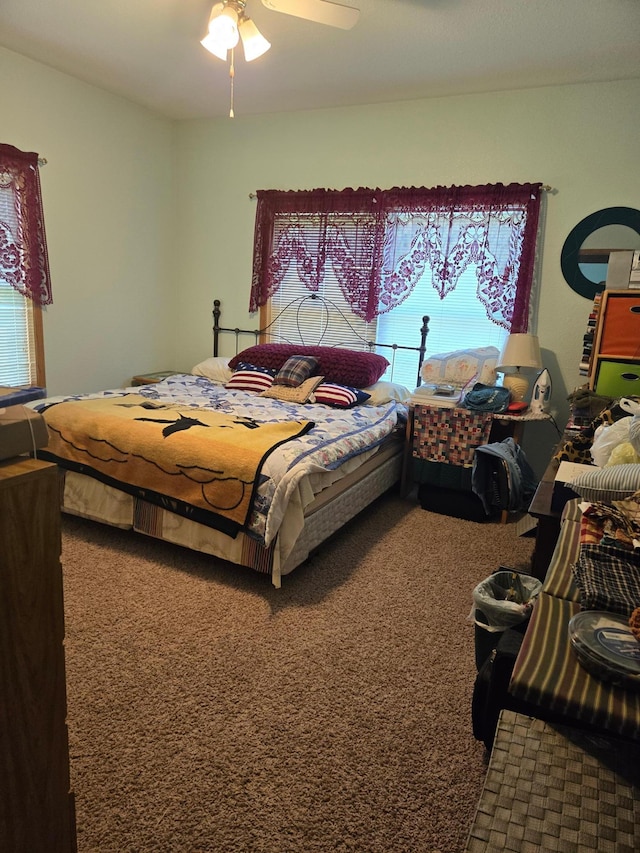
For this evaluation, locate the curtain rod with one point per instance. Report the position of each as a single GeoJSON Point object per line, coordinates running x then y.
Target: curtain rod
{"type": "Point", "coordinates": [545, 187]}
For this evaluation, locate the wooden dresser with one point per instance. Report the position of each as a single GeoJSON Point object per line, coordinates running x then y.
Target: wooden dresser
{"type": "Point", "coordinates": [37, 812]}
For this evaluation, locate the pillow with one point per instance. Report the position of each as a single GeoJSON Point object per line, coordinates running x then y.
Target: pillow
{"type": "Point", "coordinates": [343, 366]}
{"type": "Point", "coordinates": [614, 483]}
{"type": "Point", "coordinates": [385, 392]}
{"type": "Point", "coordinates": [295, 370]}
{"type": "Point", "coordinates": [248, 377]}
{"type": "Point", "coordinates": [462, 366]}
{"type": "Point", "coordinates": [301, 394]}
{"type": "Point", "coordinates": [339, 396]}
{"type": "Point", "coordinates": [216, 369]}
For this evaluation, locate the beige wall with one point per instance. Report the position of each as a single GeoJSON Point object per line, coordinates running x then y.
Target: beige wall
{"type": "Point", "coordinates": [107, 192]}
{"type": "Point", "coordinates": [148, 221]}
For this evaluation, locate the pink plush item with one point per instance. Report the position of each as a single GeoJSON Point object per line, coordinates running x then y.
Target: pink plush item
{"type": "Point", "coordinates": [343, 366]}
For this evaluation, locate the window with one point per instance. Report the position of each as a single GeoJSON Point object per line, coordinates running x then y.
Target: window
{"type": "Point", "coordinates": [24, 269]}
{"type": "Point", "coordinates": [21, 345]}
{"type": "Point", "coordinates": [462, 256]}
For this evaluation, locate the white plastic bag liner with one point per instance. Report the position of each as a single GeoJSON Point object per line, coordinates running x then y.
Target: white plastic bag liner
{"type": "Point", "coordinates": [607, 437]}
{"type": "Point", "coordinates": [634, 433]}
{"type": "Point", "coordinates": [631, 406]}
{"type": "Point", "coordinates": [504, 599]}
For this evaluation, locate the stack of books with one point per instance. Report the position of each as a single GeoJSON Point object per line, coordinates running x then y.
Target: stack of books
{"type": "Point", "coordinates": [589, 337]}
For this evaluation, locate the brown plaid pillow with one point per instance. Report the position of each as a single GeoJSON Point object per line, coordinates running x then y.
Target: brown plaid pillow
{"type": "Point", "coordinates": [295, 370]}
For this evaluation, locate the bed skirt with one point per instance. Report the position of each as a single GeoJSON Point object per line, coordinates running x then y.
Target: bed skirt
{"type": "Point", "coordinates": [307, 522]}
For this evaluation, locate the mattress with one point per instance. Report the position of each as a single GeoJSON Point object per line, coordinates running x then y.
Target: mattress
{"type": "Point", "coordinates": [309, 487]}
{"type": "Point", "coordinates": [311, 517]}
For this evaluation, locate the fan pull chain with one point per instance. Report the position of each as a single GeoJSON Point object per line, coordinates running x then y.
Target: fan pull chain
{"type": "Point", "coordinates": [232, 74]}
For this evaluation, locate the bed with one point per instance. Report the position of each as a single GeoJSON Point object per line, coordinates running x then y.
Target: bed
{"type": "Point", "coordinates": [255, 459]}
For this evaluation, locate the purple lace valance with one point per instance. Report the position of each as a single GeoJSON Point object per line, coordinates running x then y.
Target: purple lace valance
{"type": "Point", "coordinates": [380, 242]}
{"type": "Point", "coordinates": [24, 263]}
{"type": "Point", "coordinates": [356, 257]}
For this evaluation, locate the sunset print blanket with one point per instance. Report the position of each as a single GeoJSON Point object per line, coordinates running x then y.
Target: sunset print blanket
{"type": "Point", "coordinates": [209, 460]}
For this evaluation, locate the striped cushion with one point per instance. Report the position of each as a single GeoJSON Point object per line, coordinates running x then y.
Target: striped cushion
{"type": "Point", "coordinates": [339, 396]}
{"type": "Point", "coordinates": [548, 674]}
{"type": "Point", "coordinates": [559, 580]}
{"type": "Point", "coordinates": [612, 483]}
{"type": "Point", "coordinates": [248, 377]}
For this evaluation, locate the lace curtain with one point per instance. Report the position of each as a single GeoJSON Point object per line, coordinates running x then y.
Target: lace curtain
{"type": "Point", "coordinates": [380, 243]}
{"type": "Point", "coordinates": [24, 263]}
{"type": "Point", "coordinates": [311, 229]}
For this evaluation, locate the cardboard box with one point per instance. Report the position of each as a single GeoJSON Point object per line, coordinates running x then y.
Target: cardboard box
{"type": "Point", "coordinates": [21, 431]}
{"type": "Point", "coordinates": [20, 395]}
{"type": "Point", "coordinates": [619, 270]}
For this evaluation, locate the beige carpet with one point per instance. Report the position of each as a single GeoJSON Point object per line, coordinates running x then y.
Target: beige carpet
{"type": "Point", "coordinates": [209, 711]}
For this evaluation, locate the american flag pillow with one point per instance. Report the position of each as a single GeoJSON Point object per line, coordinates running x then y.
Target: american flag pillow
{"type": "Point", "coordinates": [248, 377]}
{"type": "Point", "coordinates": [339, 396]}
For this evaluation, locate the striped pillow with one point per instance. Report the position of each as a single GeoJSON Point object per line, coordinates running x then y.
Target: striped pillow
{"type": "Point", "coordinates": [611, 483]}
{"type": "Point", "coordinates": [339, 396]}
{"type": "Point", "coordinates": [248, 377]}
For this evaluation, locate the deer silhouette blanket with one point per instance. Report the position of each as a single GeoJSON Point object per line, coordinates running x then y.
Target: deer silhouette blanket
{"type": "Point", "coordinates": [169, 452]}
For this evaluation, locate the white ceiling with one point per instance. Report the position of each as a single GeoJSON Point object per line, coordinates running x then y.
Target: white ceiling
{"type": "Point", "coordinates": [149, 50]}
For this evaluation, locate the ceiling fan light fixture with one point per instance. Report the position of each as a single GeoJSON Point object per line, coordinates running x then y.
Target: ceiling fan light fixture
{"type": "Point", "coordinates": [253, 42]}
{"type": "Point", "coordinates": [213, 46]}
{"type": "Point", "coordinates": [223, 27]}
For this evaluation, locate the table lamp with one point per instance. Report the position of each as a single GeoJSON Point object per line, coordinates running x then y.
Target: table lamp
{"type": "Point", "coordinates": [520, 350]}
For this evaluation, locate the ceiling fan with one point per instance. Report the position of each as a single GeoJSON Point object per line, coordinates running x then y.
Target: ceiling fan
{"type": "Point", "coordinates": [320, 11]}
{"type": "Point", "coordinates": [229, 23]}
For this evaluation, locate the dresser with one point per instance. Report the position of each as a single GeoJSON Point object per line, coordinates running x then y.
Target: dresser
{"type": "Point", "coordinates": [37, 812]}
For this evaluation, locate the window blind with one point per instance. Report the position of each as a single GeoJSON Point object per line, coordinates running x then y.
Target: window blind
{"type": "Point", "coordinates": [309, 321]}
{"type": "Point", "coordinates": [17, 346]}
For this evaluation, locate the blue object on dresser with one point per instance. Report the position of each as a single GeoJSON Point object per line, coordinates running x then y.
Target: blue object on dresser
{"type": "Point", "coordinates": [20, 396]}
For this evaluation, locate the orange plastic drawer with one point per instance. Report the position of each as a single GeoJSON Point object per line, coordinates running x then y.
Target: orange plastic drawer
{"type": "Point", "coordinates": [621, 331]}
{"type": "Point", "coordinates": [618, 378]}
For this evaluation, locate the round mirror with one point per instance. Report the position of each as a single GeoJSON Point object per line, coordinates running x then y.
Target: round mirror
{"type": "Point", "coordinates": [586, 251]}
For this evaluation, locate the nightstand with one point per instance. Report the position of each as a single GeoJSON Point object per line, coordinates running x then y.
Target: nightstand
{"type": "Point", "coordinates": [447, 437]}
{"type": "Point", "coordinates": [150, 378]}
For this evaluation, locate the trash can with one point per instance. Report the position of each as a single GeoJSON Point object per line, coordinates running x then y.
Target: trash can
{"type": "Point", "coordinates": [503, 600]}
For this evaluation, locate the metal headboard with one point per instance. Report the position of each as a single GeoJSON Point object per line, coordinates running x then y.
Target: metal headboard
{"type": "Point", "coordinates": [295, 305]}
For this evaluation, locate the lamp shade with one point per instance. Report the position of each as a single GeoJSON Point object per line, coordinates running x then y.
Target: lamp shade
{"type": "Point", "coordinates": [520, 350]}
{"type": "Point", "coordinates": [213, 46]}
{"type": "Point", "coordinates": [223, 30]}
{"type": "Point", "coordinates": [253, 42]}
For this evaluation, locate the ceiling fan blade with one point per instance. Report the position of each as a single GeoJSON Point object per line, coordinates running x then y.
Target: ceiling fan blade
{"type": "Point", "coordinates": [320, 11]}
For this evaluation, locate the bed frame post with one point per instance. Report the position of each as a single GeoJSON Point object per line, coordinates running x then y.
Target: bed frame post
{"type": "Point", "coordinates": [216, 325]}
{"type": "Point", "coordinates": [423, 345]}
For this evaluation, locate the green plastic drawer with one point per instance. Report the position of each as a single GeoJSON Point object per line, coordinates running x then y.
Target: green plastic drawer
{"type": "Point", "coordinates": [618, 378]}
